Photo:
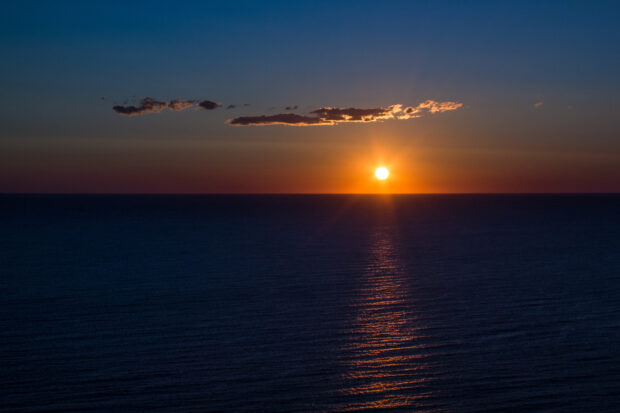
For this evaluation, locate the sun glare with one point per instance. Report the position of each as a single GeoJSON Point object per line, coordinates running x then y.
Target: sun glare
{"type": "Point", "coordinates": [382, 173]}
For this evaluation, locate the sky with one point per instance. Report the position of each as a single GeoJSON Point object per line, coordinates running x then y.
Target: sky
{"type": "Point", "coordinates": [310, 97]}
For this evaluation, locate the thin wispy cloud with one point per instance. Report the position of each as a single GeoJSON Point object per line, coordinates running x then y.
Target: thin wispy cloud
{"type": "Point", "coordinates": [437, 107]}
{"type": "Point", "coordinates": [538, 104]}
{"type": "Point", "coordinates": [150, 105]}
{"type": "Point", "coordinates": [333, 116]}
{"type": "Point", "coordinates": [147, 105]}
{"type": "Point", "coordinates": [180, 104]}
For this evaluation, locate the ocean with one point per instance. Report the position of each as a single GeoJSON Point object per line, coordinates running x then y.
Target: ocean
{"type": "Point", "coordinates": [195, 303]}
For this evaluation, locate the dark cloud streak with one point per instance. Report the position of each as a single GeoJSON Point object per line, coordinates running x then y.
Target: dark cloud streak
{"type": "Point", "coordinates": [279, 119]}
{"type": "Point", "coordinates": [147, 105]}
{"type": "Point", "coordinates": [209, 105]}
{"type": "Point", "coordinates": [150, 105]}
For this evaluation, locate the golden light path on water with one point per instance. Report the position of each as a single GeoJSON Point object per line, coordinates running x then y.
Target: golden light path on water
{"type": "Point", "coordinates": [384, 369]}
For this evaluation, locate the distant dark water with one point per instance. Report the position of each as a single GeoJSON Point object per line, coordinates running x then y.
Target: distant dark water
{"type": "Point", "coordinates": [309, 303]}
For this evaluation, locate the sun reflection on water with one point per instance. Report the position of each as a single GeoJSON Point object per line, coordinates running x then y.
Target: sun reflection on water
{"type": "Point", "coordinates": [384, 368]}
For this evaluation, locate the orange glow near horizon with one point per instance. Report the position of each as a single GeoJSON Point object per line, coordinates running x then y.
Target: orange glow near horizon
{"type": "Point", "coordinates": [382, 169]}
{"type": "Point", "coordinates": [295, 166]}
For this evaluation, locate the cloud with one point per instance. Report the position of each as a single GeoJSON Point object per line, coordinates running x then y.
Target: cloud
{"type": "Point", "coordinates": [150, 105]}
{"type": "Point", "coordinates": [356, 115]}
{"type": "Point", "coordinates": [538, 104]}
{"type": "Point", "coordinates": [280, 119]}
{"type": "Point", "coordinates": [147, 105]}
{"type": "Point", "coordinates": [321, 116]}
{"type": "Point", "coordinates": [428, 106]}
{"type": "Point", "coordinates": [180, 104]}
{"type": "Point", "coordinates": [333, 116]}
{"type": "Point", "coordinates": [209, 105]}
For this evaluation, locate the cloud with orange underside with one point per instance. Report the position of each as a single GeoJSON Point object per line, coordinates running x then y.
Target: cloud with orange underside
{"type": "Point", "coordinates": [332, 116]}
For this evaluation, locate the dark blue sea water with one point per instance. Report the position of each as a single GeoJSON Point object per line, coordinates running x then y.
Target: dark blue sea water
{"type": "Point", "coordinates": [310, 303]}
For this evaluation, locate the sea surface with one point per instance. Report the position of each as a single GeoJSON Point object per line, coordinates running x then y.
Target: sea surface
{"type": "Point", "coordinates": [444, 303]}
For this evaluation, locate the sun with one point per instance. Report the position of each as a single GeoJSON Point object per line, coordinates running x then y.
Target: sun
{"type": "Point", "coordinates": [382, 173]}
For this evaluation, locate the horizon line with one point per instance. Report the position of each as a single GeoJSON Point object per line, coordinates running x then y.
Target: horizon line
{"type": "Point", "coordinates": [304, 193]}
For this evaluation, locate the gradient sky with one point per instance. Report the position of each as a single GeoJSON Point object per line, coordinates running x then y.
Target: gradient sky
{"type": "Point", "coordinates": [538, 83]}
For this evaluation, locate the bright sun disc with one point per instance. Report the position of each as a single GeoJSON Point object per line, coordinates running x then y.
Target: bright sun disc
{"type": "Point", "coordinates": [382, 173]}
